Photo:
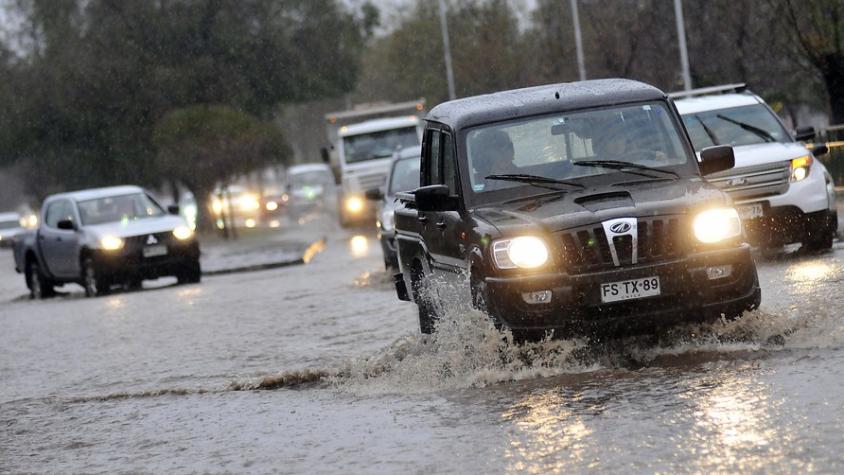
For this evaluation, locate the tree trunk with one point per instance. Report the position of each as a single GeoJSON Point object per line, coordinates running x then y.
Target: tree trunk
{"type": "Point", "coordinates": [833, 75]}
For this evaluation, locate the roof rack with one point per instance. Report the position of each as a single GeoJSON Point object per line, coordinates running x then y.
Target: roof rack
{"type": "Point", "coordinates": [737, 87]}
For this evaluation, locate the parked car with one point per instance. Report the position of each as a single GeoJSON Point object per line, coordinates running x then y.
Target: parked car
{"type": "Point", "coordinates": [782, 192]}
{"type": "Point", "coordinates": [403, 176]}
{"type": "Point", "coordinates": [11, 225]}
{"type": "Point", "coordinates": [104, 237]}
{"type": "Point", "coordinates": [582, 209]}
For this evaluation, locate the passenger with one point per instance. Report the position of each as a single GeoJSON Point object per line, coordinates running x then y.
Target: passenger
{"type": "Point", "coordinates": [493, 154]}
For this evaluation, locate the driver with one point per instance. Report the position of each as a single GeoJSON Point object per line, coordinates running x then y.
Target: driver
{"type": "Point", "coordinates": [493, 154]}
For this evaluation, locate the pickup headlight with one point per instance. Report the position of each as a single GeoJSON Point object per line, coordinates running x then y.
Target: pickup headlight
{"type": "Point", "coordinates": [800, 167]}
{"type": "Point", "coordinates": [716, 225]}
{"type": "Point", "coordinates": [525, 252]}
{"type": "Point", "coordinates": [183, 232]}
{"type": "Point", "coordinates": [388, 220]}
{"type": "Point", "coordinates": [111, 243]}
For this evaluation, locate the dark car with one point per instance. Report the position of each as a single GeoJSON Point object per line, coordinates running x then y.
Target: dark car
{"type": "Point", "coordinates": [403, 176]}
{"type": "Point", "coordinates": [573, 207]}
{"type": "Point", "coordinates": [104, 237]}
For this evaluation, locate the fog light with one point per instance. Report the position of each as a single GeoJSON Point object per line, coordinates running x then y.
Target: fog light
{"type": "Point", "coordinates": [533, 298]}
{"type": "Point", "coordinates": [719, 272]}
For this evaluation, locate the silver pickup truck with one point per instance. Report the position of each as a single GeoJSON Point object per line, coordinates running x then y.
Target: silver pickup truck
{"type": "Point", "coordinates": [104, 237]}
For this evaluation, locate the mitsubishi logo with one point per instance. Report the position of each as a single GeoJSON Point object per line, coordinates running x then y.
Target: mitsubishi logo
{"type": "Point", "coordinates": [620, 227]}
{"type": "Point", "coordinates": [151, 240]}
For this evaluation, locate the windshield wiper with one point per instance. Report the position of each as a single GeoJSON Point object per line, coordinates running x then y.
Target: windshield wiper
{"type": "Point", "coordinates": [709, 132]}
{"type": "Point", "coordinates": [535, 180]}
{"type": "Point", "coordinates": [629, 167]}
{"type": "Point", "coordinates": [761, 133]}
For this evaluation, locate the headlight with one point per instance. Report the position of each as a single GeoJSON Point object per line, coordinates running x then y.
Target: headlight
{"type": "Point", "coordinates": [271, 205]}
{"type": "Point", "coordinates": [800, 167]}
{"type": "Point", "coordinates": [217, 206]}
{"type": "Point", "coordinates": [183, 232]}
{"type": "Point", "coordinates": [718, 224]}
{"type": "Point", "coordinates": [526, 252]}
{"type": "Point", "coordinates": [111, 243]}
{"type": "Point", "coordinates": [249, 203]}
{"type": "Point", "coordinates": [354, 204]}
{"type": "Point", "coordinates": [388, 220]}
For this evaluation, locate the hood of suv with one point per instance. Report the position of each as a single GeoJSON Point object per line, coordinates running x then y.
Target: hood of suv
{"type": "Point", "coordinates": [562, 211]}
{"type": "Point", "coordinates": [137, 227]}
{"type": "Point", "coordinates": [763, 153]}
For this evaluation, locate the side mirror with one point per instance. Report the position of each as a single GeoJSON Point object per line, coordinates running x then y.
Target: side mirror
{"type": "Point", "coordinates": [173, 209]}
{"type": "Point", "coordinates": [374, 194]}
{"type": "Point", "coordinates": [819, 149]}
{"type": "Point", "coordinates": [323, 152]}
{"type": "Point", "coordinates": [66, 224]}
{"type": "Point", "coordinates": [435, 198]}
{"type": "Point", "coordinates": [716, 159]}
{"type": "Point", "coordinates": [805, 134]}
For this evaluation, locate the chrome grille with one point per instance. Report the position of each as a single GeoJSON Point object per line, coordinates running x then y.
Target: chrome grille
{"type": "Point", "coordinates": [586, 249]}
{"type": "Point", "coordinates": [753, 182]}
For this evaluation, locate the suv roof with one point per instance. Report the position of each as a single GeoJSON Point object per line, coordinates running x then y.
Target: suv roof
{"type": "Point", "coordinates": [538, 100]}
{"type": "Point", "coordinates": [693, 105]}
{"type": "Point", "coordinates": [95, 193]}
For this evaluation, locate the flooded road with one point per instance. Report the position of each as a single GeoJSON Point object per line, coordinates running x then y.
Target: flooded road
{"type": "Point", "coordinates": [319, 368]}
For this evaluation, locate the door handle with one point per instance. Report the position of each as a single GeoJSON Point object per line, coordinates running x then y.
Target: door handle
{"type": "Point", "coordinates": [441, 224]}
{"type": "Point", "coordinates": [422, 218]}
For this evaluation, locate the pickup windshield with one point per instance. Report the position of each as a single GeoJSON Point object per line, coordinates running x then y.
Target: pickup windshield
{"type": "Point", "coordinates": [746, 125]}
{"type": "Point", "coordinates": [556, 147]}
{"type": "Point", "coordinates": [363, 147]}
{"type": "Point", "coordinates": [118, 208]}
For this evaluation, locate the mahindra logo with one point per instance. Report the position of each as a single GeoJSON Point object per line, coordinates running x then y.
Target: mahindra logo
{"type": "Point", "coordinates": [738, 181]}
{"type": "Point", "coordinates": [151, 240]}
{"type": "Point", "coordinates": [620, 228]}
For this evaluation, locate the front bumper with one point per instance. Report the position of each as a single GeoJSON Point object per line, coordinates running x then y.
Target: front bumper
{"type": "Point", "coordinates": [130, 263]}
{"type": "Point", "coordinates": [786, 225]}
{"type": "Point", "coordinates": [688, 295]}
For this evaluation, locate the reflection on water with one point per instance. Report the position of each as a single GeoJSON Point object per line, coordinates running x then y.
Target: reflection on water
{"type": "Point", "coordinates": [546, 436]}
{"type": "Point", "coordinates": [810, 271]}
{"type": "Point", "coordinates": [359, 246]}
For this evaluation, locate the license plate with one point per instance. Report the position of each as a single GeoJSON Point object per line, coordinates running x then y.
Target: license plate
{"type": "Point", "coordinates": [155, 251]}
{"type": "Point", "coordinates": [630, 289]}
{"type": "Point", "coordinates": [751, 211]}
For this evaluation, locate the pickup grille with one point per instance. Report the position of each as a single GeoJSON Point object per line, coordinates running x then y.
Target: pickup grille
{"type": "Point", "coordinates": [586, 249]}
{"type": "Point", "coordinates": [136, 243]}
{"type": "Point", "coordinates": [753, 182]}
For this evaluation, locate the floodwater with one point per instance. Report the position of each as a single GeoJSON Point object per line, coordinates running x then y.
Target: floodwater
{"type": "Point", "coordinates": [319, 369]}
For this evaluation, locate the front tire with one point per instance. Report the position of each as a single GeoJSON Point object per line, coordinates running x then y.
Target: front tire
{"type": "Point", "coordinates": [424, 302]}
{"type": "Point", "coordinates": [94, 282]}
{"type": "Point", "coordinates": [39, 286]}
{"type": "Point", "coordinates": [191, 273]}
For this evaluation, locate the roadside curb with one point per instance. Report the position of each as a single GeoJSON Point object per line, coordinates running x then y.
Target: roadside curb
{"type": "Point", "coordinates": [310, 251]}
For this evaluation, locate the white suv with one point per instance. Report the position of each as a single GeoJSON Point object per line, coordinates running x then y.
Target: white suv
{"type": "Point", "coordinates": [783, 193]}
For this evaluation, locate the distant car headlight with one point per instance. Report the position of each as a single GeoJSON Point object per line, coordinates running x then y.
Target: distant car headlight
{"type": "Point", "coordinates": [525, 252]}
{"type": "Point", "coordinates": [354, 204]}
{"type": "Point", "coordinates": [183, 232]}
{"type": "Point", "coordinates": [716, 225]}
{"type": "Point", "coordinates": [249, 202]}
{"type": "Point", "coordinates": [272, 205]}
{"type": "Point", "coordinates": [800, 167]}
{"type": "Point", "coordinates": [388, 220]}
{"type": "Point", "coordinates": [111, 243]}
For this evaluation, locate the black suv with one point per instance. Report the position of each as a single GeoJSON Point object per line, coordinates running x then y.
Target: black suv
{"type": "Point", "coordinates": [573, 207]}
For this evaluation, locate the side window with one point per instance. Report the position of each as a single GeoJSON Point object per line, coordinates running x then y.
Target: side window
{"type": "Point", "coordinates": [432, 158]}
{"type": "Point", "coordinates": [54, 214]}
{"type": "Point", "coordinates": [449, 164]}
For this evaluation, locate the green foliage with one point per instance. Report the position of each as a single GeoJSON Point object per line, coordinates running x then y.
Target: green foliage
{"type": "Point", "coordinates": [101, 73]}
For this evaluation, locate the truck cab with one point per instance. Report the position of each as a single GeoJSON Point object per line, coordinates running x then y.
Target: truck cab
{"type": "Point", "coordinates": [571, 208]}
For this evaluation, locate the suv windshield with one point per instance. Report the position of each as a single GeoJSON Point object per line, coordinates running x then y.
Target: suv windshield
{"type": "Point", "coordinates": [736, 126]}
{"type": "Point", "coordinates": [360, 148]}
{"type": "Point", "coordinates": [405, 176]}
{"type": "Point", "coordinates": [551, 146]}
{"type": "Point", "coordinates": [118, 208]}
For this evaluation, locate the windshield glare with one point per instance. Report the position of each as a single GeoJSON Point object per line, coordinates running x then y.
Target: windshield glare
{"type": "Point", "coordinates": [737, 126]}
{"type": "Point", "coordinates": [548, 145]}
{"type": "Point", "coordinates": [360, 148]}
{"type": "Point", "coordinates": [118, 208]}
{"type": "Point", "coordinates": [405, 176]}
